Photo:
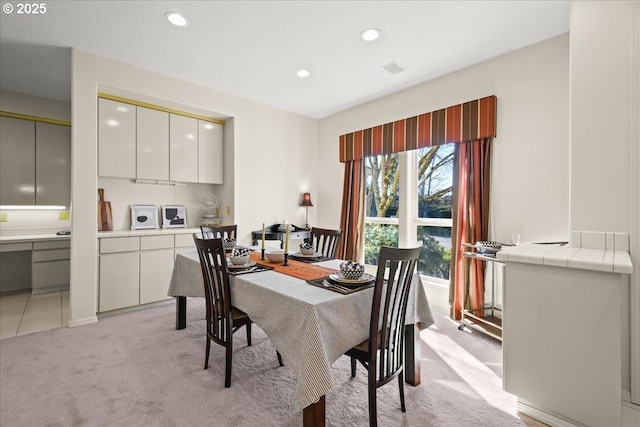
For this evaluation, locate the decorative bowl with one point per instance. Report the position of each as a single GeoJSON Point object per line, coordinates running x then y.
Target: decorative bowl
{"type": "Point", "coordinates": [351, 270]}
{"type": "Point", "coordinates": [239, 260]}
{"type": "Point", "coordinates": [275, 256]}
{"type": "Point", "coordinates": [229, 243]}
{"type": "Point", "coordinates": [239, 255]}
{"type": "Point", "coordinates": [306, 248]}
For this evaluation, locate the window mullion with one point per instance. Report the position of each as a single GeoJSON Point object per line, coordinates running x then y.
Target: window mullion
{"type": "Point", "coordinates": [407, 232]}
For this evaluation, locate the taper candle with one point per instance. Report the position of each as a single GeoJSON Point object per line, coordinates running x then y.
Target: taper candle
{"type": "Point", "coordinates": [263, 236]}
{"type": "Point", "coordinates": [286, 242]}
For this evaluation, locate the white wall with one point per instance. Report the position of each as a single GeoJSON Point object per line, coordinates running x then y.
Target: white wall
{"type": "Point", "coordinates": [605, 132]}
{"type": "Point", "coordinates": [530, 182]}
{"type": "Point", "coordinates": [22, 103]}
{"type": "Point", "coordinates": [267, 165]}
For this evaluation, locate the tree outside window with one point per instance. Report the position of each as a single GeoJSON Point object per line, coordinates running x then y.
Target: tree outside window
{"type": "Point", "coordinates": [432, 179]}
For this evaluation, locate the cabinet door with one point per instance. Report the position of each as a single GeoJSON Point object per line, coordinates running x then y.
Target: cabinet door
{"type": "Point", "coordinates": [17, 161]}
{"type": "Point", "coordinates": [156, 267]}
{"type": "Point", "coordinates": [116, 139]}
{"type": "Point", "coordinates": [183, 152]}
{"type": "Point", "coordinates": [53, 164]}
{"type": "Point", "coordinates": [152, 144]}
{"type": "Point", "coordinates": [119, 280]}
{"type": "Point", "coordinates": [210, 152]}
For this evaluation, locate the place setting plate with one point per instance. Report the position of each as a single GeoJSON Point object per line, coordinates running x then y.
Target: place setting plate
{"type": "Point", "coordinates": [301, 255]}
{"type": "Point", "coordinates": [232, 266]}
{"type": "Point", "coordinates": [366, 278]}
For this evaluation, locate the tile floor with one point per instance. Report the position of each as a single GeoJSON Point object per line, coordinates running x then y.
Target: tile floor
{"type": "Point", "coordinates": [26, 313]}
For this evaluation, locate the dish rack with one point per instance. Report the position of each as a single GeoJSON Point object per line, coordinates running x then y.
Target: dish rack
{"type": "Point", "coordinates": [209, 212]}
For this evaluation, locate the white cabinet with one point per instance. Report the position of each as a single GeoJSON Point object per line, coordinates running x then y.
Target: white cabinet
{"type": "Point", "coordinates": [137, 270]}
{"type": "Point", "coordinates": [17, 166]}
{"type": "Point", "coordinates": [156, 266]}
{"type": "Point", "coordinates": [53, 164]}
{"type": "Point", "coordinates": [152, 144]}
{"type": "Point", "coordinates": [50, 265]}
{"type": "Point", "coordinates": [183, 151]}
{"type": "Point", "coordinates": [119, 273]}
{"type": "Point", "coordinates": [116, 139]}
{"type": "Point", "coordinates": [146, 143]}
{"type": "Point", "coordinates": [210, 152]}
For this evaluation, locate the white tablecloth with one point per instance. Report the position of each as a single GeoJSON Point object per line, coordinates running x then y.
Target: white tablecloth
{"type": "Point", "coordinates": [311, 327]}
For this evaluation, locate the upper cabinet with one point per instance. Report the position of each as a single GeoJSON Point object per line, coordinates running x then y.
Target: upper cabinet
{"type": "Point", "coordinates": [35, 163]}
{"type": "Point", "coordinates": [152, 145]}
{"type": "Point", "coordinates": [116, 139]}
{"type": "Point", "coordinates": [210, 152]}
{"type": "Point", "coordinates": [53, 164]}
{"type": "Point", "coordinates": [17, 161]}
{"type": "Point", "coordinates": [183, 150]}
{"type": "Point", "coordinates": [146, 143]}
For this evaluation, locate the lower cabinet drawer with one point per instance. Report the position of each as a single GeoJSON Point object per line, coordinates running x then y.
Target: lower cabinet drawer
{"type": "Point", "coordinates": [50, 273]}
{"type": "Point", "coordinates": [184, 240]}
{"type": "Point", "coordinates": [51, 255]}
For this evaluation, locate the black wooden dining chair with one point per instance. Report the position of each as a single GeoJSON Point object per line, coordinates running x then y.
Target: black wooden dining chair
{"type": "Point", "coordinates": [220, 232]}
{"type": "Point", "coordinates": [222, 318]}
{"type": "Point", "coordinates": [383, 353]}
{"type": "Point", "coordinates": [325, 241]}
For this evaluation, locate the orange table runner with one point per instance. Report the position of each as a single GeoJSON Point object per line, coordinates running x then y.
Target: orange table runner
{"type": "Point", "coordinates": [299, 269]}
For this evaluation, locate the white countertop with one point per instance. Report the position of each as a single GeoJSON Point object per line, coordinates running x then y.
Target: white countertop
{"type": "Point", "coordinates": [569, 257]}
{"type": "Point", "coordinates": [31, 236]}
{"type": "Point", "coordinates": [148, 232]}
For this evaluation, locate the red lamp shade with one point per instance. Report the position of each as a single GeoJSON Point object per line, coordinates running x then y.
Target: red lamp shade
{"type": "Point", "coordinates": [306, 200]}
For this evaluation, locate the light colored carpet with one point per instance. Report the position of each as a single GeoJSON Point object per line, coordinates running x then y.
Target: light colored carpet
{"type": "Point", "coordinates": [135, 369]}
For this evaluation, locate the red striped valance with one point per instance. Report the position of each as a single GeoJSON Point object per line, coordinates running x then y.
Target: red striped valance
{"type": "Point", "coordinates": [463, 122]}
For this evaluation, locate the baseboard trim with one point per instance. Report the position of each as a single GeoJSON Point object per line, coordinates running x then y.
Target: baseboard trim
{"type": "Point", "coordinates": [81, 322]}
{"type": "Point", "coordinates": [542, 416]}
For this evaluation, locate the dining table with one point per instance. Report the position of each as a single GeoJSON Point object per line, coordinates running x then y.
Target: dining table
{"type": "Point", "coordinates": [311, 326]}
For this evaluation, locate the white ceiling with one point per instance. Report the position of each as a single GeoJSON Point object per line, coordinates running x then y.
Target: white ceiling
{"type": "Point", "coordinates": [253, 49]}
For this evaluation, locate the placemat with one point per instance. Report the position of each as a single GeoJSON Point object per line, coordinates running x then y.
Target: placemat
{"type": "Point", "coordinates": [310, 260]}
{"type": "Point", "coordinates": [255, 269]}
{"type": "Point", "coordinates": [301, 270]}
{"type": "Point", "coordinates": [338, 288]}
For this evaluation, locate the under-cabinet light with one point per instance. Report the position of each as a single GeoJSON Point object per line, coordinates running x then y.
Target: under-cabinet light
{"type": "Point", "coordinates": [32, 207]}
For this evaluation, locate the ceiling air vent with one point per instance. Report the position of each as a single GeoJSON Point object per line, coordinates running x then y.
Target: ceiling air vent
{"type": "Point", "coordinates": [393, 67]}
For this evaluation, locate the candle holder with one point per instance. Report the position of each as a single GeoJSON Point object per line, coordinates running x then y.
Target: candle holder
{"type": "Point", "coordinates": [286, 259]}
{"type": "Point", "coordinates": [262, 254]}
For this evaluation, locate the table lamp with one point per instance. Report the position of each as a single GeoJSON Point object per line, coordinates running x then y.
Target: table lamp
{"type": "Point", "coordinates": [306, 202]}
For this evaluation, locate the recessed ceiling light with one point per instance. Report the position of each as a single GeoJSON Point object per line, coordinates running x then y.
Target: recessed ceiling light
{"type": "Point", "coordinates": [176, 19]}
{"type": "Point", "coordinates": [370, 34]}
{"type": "Point", "coordinates": [303, 73]}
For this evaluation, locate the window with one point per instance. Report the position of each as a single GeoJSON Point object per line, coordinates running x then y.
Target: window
{"type": "Point", "coordinates": [428, 200]}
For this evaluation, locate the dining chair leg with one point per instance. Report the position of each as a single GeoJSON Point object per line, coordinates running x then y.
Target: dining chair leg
{"type": "Point", "coordinates": [206, 358]}
{"type": "Point", "coordinates": [353, 366]}
{"type": "Point", "coordinates": [373, 413]}
{"type": "Point", "coordinates": [279, 358]}
{"type": "Point", "coordinates": [401, 385]}
{"type": "Point", "coordinates": [227, 370]}
{"type": "Point", "coordinates": [248, 334]}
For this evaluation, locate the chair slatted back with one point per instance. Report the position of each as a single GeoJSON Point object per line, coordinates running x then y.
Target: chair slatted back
{"type": "Point", "coordinates": [325, 241]}
{"type": "Point", "coordinates": [220, 232]}
{"type": "Point", "coordinates": [217, 291]}
{"type": "Point", "coordinates": [388, 312]}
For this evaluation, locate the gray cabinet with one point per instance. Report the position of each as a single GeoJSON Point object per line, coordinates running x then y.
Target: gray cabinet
{"type": "Point", "coordinates": [35, 163]}
{"type": "Point", "coordinates": [50, 265]}
{"type": "Point", "coordinates": [17, 161]}
{"type": "Point", "coordinates": [53, 164]}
